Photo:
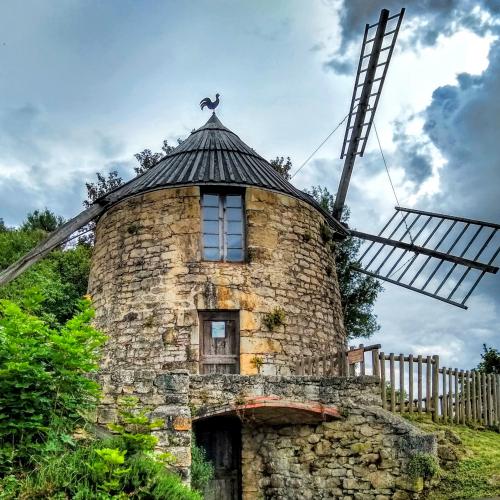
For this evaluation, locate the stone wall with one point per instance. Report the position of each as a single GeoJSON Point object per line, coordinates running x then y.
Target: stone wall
{"type": "Point", "coordinates": [207, 392]}
{"type": "Point", "coordinates": [148, 282]}
{"type": "Point", "coordinates": [363, 456]}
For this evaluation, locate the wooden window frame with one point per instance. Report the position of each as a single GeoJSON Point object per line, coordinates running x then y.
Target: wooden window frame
{"type": "Point", "coordinates": [222, 193]}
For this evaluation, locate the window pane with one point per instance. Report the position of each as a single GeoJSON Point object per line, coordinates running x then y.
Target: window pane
{"type": "Point", "coordinates": [211, 254]}
{"type": "Point", "coordinates": [211, 227]}
{"type": "Point", "coordinates": [211, 240]}
{"type": "Point", "coordinates": [234, 254]}
{"type": "Point", "coordinates": [210, 200]}
{"type": "Point", "coordinates": [233, 214]}
{"type": "Point", "coordinates": [234, 228]}
{"type": "Point", "coordinates": [234, 241]}
{"type": "Point", "coordinates": [233, 201]}
{"type": "Point", "coordinates": [210, 213]}
{"type": "Point", "coordinates": [218, 329]}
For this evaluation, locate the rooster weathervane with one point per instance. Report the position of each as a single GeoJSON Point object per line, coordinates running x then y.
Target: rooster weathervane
{"type": "Point", "coordinates": [209, 103]}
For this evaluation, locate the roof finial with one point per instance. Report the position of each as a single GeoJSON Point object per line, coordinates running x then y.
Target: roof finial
{"type": "Point", "coordinates": [209, 103]}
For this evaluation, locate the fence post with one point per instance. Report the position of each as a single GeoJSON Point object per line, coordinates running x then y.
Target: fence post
{"type": "Point", "coordinates": [375, 363]}
{"type": "Point", "coordinates": [419, 383]}
{"type": "Point", "coordinates": [488, 389]}
{"type": "Point", "coordinates": [362, 368]}
{"type": "Point", "coordinates": [485, 398]}
{"type": "Point", "coordinates": [467, 396]}
{"type": "Point", "coordinates": [383, 389]}
{"type": "Point", "coordinates": [462, 415]}
{"type": "Point", "coordinates": [401, 383]}
{"type": "Point", "coordinates": [410, 382]}
{"type": "Point", "coordinates": [497, 398]}
{"type": "Point", "coordinates": [435, 389]}
{"type": "Point", "coordinates": [479, 397]}
{"type": "Point", "coordinates": [393, 382]}
{"type": "Point", "coordinates": [474, 401]}
{"type": "Point", "coordinates": [450, 394]}
{"type": "Point", "coordinates": [445, 397]}
{"type": "Point", "coordinates": [428, 385]}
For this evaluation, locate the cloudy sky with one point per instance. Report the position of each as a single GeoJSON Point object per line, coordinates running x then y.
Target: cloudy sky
{"type": "Point", "coordinates": [86, 84]}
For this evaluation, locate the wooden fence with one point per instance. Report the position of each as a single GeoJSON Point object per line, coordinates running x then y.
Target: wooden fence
{"type": "Point", "coordinates": [416, 384]}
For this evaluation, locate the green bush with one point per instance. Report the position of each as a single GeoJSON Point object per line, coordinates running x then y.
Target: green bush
{"type": "Point", "coordinates": [121, 467]}
{"type": "Point", "coordinates": [96, 471]}
{"type": "Point", "coordinates": [45, 389]}
{"type": "Point", "coordinates": [202, 470]}
{"type": "Point", "coordinates": [423, 465]}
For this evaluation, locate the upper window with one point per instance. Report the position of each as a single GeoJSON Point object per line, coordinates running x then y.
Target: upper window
{"type": "Point", "coordinates": [223, 227]}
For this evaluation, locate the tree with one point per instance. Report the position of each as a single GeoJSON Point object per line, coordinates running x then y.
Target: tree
{"type": "Point", "coordinates": [46, 221]}
{"type": "Point", "coordinates": [61, 277]}
{"type": "Point", "coordinates": [147, 159]}
{"type": "Point", "coordinates": [102, 186]}
{"type": "Point", "coordinates": [358, 292]}
{"type": "Point", "coordinates": [490, 360]}
{"type": "Point", "coordinates": [282, 166]}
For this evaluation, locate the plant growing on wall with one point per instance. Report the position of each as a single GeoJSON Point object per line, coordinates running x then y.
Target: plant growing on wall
{"type": "Point", "coordinates": [423, 465]}
{"type": "Point", "coordinates": [257, 363]}
{"type": "Point", "coordinates": [275, 318]}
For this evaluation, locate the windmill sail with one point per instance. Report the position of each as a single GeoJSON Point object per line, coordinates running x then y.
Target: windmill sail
{"type": "Point", "coordinates": [441, 256]}
{"type": "Point", "coordinates": [376, 52]}
{"type": "Point", "coordinates": [55, 239]}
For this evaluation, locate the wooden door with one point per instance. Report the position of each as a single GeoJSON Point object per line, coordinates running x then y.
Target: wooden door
{"type": "Point", "coordinates": [220, 342]}
{"type": "Point", "coordinates": [221, 440]}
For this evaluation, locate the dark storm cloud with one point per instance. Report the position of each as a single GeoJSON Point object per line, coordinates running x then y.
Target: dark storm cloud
{"type": "Point", "coordinates": [462, 121]}
{"type": "Point", "coordinates": [430, 18]}
{"type": "Point", "coordinates": [38, 164]}
{"type": "Point", "coordinates": [412, 154]}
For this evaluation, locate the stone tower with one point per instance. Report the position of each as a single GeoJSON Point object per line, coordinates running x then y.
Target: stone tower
{"type": "Point", "coordinates": [211, 276]}
{"type": "Point", "coordinates": [213, 228]}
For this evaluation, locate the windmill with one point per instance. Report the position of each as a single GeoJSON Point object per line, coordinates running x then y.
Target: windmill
{"type": "Point", "coordinates": [438, 255]}
{"type": "Point", "coordinates": [433, 254]}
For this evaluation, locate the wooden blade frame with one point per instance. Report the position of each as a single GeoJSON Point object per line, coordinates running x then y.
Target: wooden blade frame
{"type": "Point", "coordinates": [446, 259]}
{"type": "Point", "coordinates": [370, 77]}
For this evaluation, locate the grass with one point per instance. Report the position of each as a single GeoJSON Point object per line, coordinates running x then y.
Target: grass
{"type": "Point", "coordinates": [477, 474]}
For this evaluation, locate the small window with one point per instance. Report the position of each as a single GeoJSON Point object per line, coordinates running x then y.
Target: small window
{"type": "Point", "coordinates": [223, 223]}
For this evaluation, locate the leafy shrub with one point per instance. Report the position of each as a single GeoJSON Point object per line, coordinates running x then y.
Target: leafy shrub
{"type": "Point", "coordinates": [275, 318]}
{"type": "Point", "coordinates": [202, 470]}
{"type": "Point", "coordinates": [423, 465]}
{"type": "Point", "coordinates": [121, 467]}
{"type": "Point", "coordinates": [95, 471]}
{"type": "Point", "coordinates": [44, 385]}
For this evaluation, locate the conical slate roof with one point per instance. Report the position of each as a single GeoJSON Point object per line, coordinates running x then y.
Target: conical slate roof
{"type": "Point", "coordinates": [213, 155]}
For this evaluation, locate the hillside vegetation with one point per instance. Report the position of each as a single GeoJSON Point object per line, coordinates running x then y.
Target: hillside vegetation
{"type": "Point", "coordinates": [476, 473]}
